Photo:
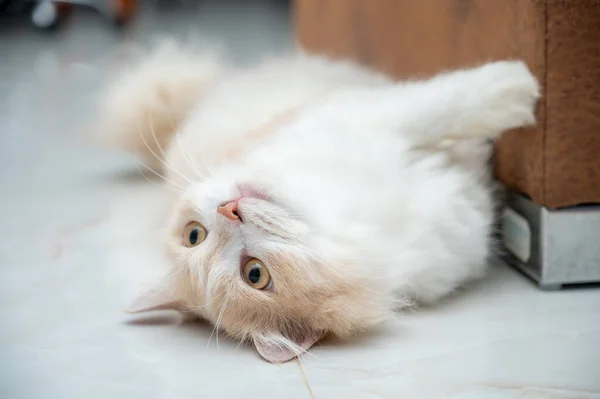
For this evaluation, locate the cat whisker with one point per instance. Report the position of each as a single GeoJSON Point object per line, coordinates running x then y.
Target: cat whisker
{"type": "Point", "coordinates": [239, 344]}
{"type": "Point", "coordinates": [218, 321]}
{"type": "Point", "coordinates": [209, 166]}
{"type": "Point", "coordinates": [181, 189]}
{"type": "Point", "coordinates": [184, 154]}
{"type": "Point", "coordinates": [306, 353]}
{"type": "Point", "coordinates": [161, 148]}
{"type": "Point", "coordinates": [186, 158]}
{"type": "Point", "coordinates": [162, 187]}
{"type": "Point", "coordinates": [161, 159]}
{"type": "Point", "coordinates": [158, 145]}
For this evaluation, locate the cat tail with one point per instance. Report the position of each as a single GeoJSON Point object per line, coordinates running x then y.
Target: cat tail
{"type": "Point", "coordinates": [141, 109]}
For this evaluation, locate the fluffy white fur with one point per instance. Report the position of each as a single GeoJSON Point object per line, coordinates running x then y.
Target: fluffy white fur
{"type": "Point", "coordinates": [373, 193]}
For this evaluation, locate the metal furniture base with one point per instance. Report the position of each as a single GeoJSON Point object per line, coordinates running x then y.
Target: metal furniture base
{"type": "Point", "coordinates": [553, 247]}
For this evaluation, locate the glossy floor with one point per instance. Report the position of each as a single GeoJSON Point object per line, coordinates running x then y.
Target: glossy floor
{"type": "Point", "coordinates": [78, 240]}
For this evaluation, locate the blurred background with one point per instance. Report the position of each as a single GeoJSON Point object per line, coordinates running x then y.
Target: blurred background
{"type": "Point", "coordinates": [53, 54]}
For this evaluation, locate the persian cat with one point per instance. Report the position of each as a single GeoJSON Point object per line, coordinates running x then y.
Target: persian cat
{"type": "Point", "coordinates": [315, 196]}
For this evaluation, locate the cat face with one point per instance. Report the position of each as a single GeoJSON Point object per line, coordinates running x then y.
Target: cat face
{"type": "Point", "coordinates": [248, 260]}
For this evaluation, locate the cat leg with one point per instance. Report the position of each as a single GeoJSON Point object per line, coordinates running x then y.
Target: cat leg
{"type": "Point", "coordinates": [144, 106]}
{"type": "Point", "coordinates": [472, 103]}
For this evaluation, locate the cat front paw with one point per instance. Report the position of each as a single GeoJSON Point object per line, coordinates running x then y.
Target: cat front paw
{"type": "Point", "coordinates": [510, 92]}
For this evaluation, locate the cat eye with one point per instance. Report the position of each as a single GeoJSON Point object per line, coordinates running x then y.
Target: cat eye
{"type": "Point", "coordinates": [256, 274]}
{"type": "Point", "coordinates": [194, 234]}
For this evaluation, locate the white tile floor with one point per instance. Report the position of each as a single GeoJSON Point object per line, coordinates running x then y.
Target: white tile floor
{"type": "Point", "coordinates": [78, 240]}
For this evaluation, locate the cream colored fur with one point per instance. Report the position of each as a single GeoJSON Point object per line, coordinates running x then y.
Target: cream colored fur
{"type": "Point", "coordinates": [375, 194]}
{"type": "Point", "coordinates": [142, 108]}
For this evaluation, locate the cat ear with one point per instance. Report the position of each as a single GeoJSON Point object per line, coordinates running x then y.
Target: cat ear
{"type": "Point", "coordinates": [276, 348]}
{"type": "Point", "coordinates": [158, 298]}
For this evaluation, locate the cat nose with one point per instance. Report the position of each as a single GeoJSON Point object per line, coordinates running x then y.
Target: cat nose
{"type": "Point", "coordinates": [229, 210]}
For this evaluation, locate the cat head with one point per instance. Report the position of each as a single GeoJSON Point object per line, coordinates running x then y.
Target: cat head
{"type": "Point", "coordinates": [260, 267]}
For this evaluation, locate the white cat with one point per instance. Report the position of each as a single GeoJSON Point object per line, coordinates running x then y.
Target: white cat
{"type": "Point", "coordinates": [315, 196]}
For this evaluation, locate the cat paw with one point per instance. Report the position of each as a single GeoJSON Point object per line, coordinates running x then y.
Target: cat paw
{"type": "Point", "coordinates": [509, 94]}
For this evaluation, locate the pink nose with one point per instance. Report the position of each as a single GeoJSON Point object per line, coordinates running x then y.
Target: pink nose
{"type": "Point", "coordinates": [229, 210]}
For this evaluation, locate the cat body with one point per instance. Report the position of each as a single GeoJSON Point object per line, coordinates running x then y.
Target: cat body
{"type": "Point", "coordinates": [325, 195]}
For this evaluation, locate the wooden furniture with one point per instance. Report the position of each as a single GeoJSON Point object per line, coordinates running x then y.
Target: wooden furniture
{"type": "Point", "coordinates": [551, 166]}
